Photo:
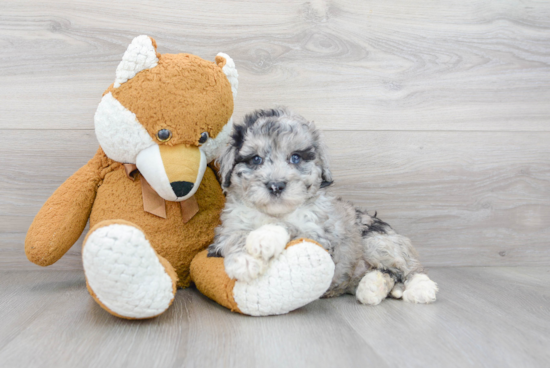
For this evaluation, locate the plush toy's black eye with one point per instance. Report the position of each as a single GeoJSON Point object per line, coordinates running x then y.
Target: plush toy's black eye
{"type": "Point", "coordinates": [256, 160]}
{"type": "Point", "coordinates": [203, 138]}
{"type": "Point", "coordinates": [295, 159]}
{"type": "Point", "coordinates": [164, 135]}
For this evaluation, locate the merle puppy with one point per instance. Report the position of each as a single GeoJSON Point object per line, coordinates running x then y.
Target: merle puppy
{"type": "Point", "coordinates": [274, 173]}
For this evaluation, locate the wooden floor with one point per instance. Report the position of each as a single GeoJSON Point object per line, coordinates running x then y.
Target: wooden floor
{"type": "Point", "coordinates": [485, 317]}
{"type": "Point", "coordinates": [436, 115]}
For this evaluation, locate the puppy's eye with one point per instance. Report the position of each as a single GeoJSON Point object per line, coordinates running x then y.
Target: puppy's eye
{"type": "Point", "coordinates": [295, 159]}
{"type": "Point", "coordinates": [256, 160]}
{"type": "Point", "coordinates": [164, 135]}
{"type": "Point", "coordinates": [203, 138]}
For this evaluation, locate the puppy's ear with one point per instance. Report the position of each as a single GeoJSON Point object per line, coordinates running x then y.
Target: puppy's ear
{"type": "Point", "coordinates": [326, 175]}
{"type": "Point", "coordinates": [322, 156]}
{"type": "Point", "coordinates": [227, 160]}
{"type": "Point", "coordinates": [226, 163]}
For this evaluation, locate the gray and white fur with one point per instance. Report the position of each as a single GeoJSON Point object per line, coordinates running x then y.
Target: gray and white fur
{"type": "Point", "coordinates": [274, 172]}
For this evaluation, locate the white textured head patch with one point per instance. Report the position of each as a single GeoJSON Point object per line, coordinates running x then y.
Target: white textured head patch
{"type": "Point", "coordinates": [231, 73]}
{"type": "Point", "coordinates": [119, 132]}
{"type": "Point", "coordinates": [140, 55]}
{"type": "Point", "coordinates": [215, 146]}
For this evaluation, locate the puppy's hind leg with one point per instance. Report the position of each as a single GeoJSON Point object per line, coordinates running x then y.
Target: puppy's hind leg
{"type": "Point", "coordinates": [395, 253]}
{"type": "Point", "coordinates": [374, 287]}
{"type": "Point", "coordinates": [384, 249]}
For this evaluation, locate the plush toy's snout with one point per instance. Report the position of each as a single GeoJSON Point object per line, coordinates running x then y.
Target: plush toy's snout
{"type": "Point", "coordinates": [174, 172]}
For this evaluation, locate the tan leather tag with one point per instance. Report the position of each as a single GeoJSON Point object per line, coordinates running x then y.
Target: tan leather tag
{"type": "Point", "coordinates": [189, 208]}
{"type": "Point", "coordinates": [131, 171]}
{"type": "Point", "coordinates": [152, 202]}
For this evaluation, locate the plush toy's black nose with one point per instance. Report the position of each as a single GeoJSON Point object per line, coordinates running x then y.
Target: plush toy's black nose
{"type": "Point", "coordinates": [276, 188]}
{"type": "Point", "coordinates": [181, 188]}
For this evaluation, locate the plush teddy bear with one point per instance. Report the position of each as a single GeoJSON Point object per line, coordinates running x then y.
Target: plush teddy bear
{"type": "Point", "coordinates": [153, 202]}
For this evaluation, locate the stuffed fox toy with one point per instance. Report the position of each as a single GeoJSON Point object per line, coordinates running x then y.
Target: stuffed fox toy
{"type": "Point", "coordinates": [153, 202]}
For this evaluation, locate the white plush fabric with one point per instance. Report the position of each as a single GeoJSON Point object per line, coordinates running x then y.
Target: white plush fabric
{"type": "Point", "coordinates": [140, 55]}
{"type": "Point", "coordinates": [150, 165]}
{"type": "Point", "coordinates": [213, 147]}
{"type": "Point", "coordinates": [231, 73]}
{"type": "Point", "coordinates": [125, 273]}
{"type": "Point", "coordinates": [119, 132]}
{"type": "Point", "coordinates": [300, 275]}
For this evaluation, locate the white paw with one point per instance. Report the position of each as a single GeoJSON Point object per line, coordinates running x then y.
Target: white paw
{"type": "Point", "coordinates": [243, 267]}
{"type": "Point", "coordinates": [420, 289]}
{"type": "Point", "coordinates": [397, 291]}
{"type": "Point", "coordinates": [267, 241]}
{"type": "Point", "coordinates": [374, 287]}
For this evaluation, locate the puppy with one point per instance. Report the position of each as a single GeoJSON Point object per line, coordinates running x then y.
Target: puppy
{"type": "Point", "coordinates": [274, 173]}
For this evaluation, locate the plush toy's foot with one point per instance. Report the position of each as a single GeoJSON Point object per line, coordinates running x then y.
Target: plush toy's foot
{"type": "Point", "coordinates": [124, 274]}
{"type": "Point", "coordinates": [300, 275]}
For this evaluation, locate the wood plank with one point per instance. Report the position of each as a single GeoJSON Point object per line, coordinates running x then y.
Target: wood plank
{"type": "Point", "coordinates": [473, 323]}
{"type": "Point", "coordinates": [483, 317]}
{"type": "Point", "coordinates": [12, 255]}
{"type": "Point", "coordinates": [397, 65]}
{"type": "Point", "coordinates": [193, 332]}
{"type": "Point", "coordinates": [464, 198]}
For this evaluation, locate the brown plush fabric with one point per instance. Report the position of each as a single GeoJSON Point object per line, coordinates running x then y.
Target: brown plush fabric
{"type": "Point", "coordinates": [188, 96]}
{"type": "Point", "coordinates": [61, 220]}
{"type": "Point", "coordinates": [211, 280]}
{"type": "Point", "coordinates": [120, 198]}
{"type": "Point", "coordinates": [300, 240]}
{"type": "Point", "coordinates": [168, 268]}
{"type": "Point", "coordinates": [208, 274]}
{"type": "Point", "coordinates": [157, 97]}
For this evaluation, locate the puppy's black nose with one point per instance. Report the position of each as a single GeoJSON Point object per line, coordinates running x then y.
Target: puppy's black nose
{"type": "Point", "coordinates": [276, 187]}
{"type": "Point", "coordinates": [181, 188]}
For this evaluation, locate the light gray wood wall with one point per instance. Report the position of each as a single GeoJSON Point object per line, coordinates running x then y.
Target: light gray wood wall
{"type": "Point", "coordinates": [436, 113]}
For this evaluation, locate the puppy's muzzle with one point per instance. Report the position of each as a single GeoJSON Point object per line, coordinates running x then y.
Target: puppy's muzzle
{"type": "Point", "coordinates": [276, 188]}
{"type": "Point", "coordinates": [174, 172]}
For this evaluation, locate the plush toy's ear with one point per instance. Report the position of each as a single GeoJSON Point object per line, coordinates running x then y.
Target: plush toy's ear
{"type": "Point", "coordinates": [228, 67]}
{"type": "Point", "coordinates": [140, 55]}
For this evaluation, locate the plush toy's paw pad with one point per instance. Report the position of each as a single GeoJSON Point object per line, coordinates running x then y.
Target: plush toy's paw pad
{"type": "Point", "coordinates": [300, 275]}
{"type": "Point", "coordinates": [420, 289]}
{"type": "Point", "coordinates": [243, 267]}
{"type": "Point", "coordinates": [125, 273]}
{"type": "Point", "coordinates": [373, 288]}
{"type": "Point", "coordinates": [267, 241]}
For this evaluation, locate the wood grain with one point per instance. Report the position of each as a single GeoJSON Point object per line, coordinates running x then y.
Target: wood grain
{"type": "Point", "coordinates": [436, 113]}
{"type": "Point", "coordinates": [369, 65]}
{"type": "Point", "coordinates": [486, 317]}
{"type": "Point", "coordinates": [464, 198]}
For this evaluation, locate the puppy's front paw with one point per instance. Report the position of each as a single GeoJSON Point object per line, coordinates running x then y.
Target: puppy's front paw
{"type": "Point", "coordinates": [243, 267]}
{"type": "Point", "coordinates": [374, 287]}
{"type": "Point", "coordinates": [267, 241]}
{"type": "Point", "coordinates": [420, 289]}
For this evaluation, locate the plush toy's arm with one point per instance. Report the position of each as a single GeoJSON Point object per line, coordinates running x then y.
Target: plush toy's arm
{"type": "Point", "coordinates": [61, 220]}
